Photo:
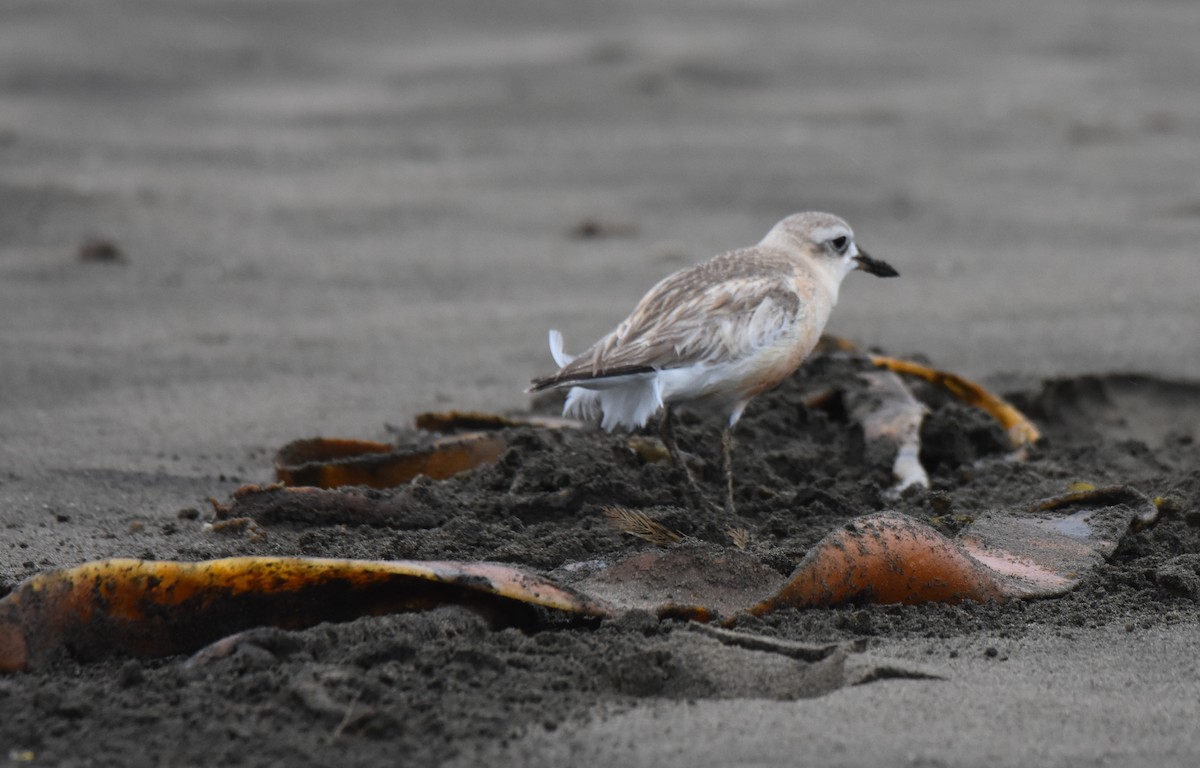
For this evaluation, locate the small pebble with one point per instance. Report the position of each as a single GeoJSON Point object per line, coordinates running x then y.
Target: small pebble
{"type": "Point", "coordinates": [101, 250]}
{"type": "Point", "coordinates": [130, 674]}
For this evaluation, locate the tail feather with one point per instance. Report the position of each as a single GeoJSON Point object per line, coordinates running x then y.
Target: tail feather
{"type": "Point", "coordinates": [629, 406]}
{"type": "Point", "coordinates": [561, 358]}
{"type": "Point", "coordinates": [627, 399]}
{"type": "Point", "coordinates": [582, 404]}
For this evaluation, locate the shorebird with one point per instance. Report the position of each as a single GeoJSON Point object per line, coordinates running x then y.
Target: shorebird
{"type": "Point", "coordinates": [716, 334]}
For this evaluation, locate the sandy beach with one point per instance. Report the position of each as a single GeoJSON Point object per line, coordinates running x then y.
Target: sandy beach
{"type": "Point", "coordinates": [227, 226]}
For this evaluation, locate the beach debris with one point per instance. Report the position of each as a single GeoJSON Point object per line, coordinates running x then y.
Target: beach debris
{"type": "Point", "coordinates": [642, 526]}
{"type": "Point", "coordinates": [597, 227]}
{"type": "Point", "coordinates": [1042, 553]}
{"type": "Point", "coordinates": [1003, 555]}
{"type": "Point", "coordinates": [890, 558]}
{"type": "Point", "coordinates": [156, 608]}
{"type": "Point", "coordinates": [332, 463]}
{"type": "Point", "coordinates": [693, 664]}
{"type": "Point", "coordinates": [1020, 430]}
{"type": "Point", "coordinates": [246, 527]}
{"type": "Point", "coordinates": [480, 421]}
{"type": "Point", "coordinates": [700, 661]}
{"type": "Point", "coordinates": [890, 416]}
{"type": "Point", "coordinates": [161, 608]}
{"type": "Point", "coordinates": [101, 250]}
{"type": "Point", "coordinates": [639, 524]}
{"type": "Point", "coordinates": [651, 450]}
{"type": "Point", "coordinates": [693, 580]}
{"type": "Point", "coordinates": [470, 441]}
{"type": "Point", "coordinates": [1146, 510]}
{"type": "Point", "coordinates": [789, 648]}
{"type": "Point", "coordinates": [891, 420]}
{"type": "Point", "coordinates": [883, 558]}
{"type": "Point", "coordinates": [740, 537]}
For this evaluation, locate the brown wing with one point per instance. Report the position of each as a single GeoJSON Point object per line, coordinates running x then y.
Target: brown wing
{"type": "Point", "coordinates": [719, 310]}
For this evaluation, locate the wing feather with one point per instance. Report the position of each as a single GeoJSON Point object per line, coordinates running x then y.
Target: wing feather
{"type": "Point", "coordinates": [723, 309]}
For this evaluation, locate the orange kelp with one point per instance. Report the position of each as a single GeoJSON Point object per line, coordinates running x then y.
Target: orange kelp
{"type": "Point", "coordinates": [1020, 430]}
{"type": "Point", "coordinates": [1016, 554]}
{"type": "Point", "coordinates": [892, 558]}
{"type": "Point", "coordinates": [333, 463]}
{"type": "Point", "coordinates": [884, 558]}
{"type": "Point", "coordinates": [325, 462]}
{"type": "Point", "coordinates": [1043, 552]}
{"type": "Point", "coordinates": [149, 608]}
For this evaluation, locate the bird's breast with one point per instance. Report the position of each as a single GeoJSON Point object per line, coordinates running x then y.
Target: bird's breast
{"type": "Point", "coordinates": [748, 370]}
{"type": "Point", "coordinates": [765, 370]}
{"type": "Point", "coordinates": [738, 380]}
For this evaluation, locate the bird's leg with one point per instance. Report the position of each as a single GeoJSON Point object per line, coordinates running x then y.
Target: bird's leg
{"type": "Point", "coordinates": [727, 462]}
{"type": "Point", "coordinates": [737, 532]}
{"type": "Point", "coordinates": [666, 431]}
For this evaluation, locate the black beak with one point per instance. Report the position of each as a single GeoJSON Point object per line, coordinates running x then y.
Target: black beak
{"type": "Point", "coordinates": [874, 266]}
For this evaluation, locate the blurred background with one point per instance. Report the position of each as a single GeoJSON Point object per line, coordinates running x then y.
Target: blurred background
{"type": "Point", "coordinates": [227, 224]}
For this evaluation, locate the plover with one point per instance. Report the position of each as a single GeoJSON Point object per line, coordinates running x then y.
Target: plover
{"type": "Point", "coordinates": [716, 334]}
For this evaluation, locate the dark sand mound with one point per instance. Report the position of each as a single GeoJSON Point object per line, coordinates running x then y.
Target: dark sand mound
{"type": "Point", "coordinates": [430, 685]}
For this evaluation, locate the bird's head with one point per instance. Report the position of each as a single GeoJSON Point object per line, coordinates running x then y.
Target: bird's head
{"type": "Point", "coordinates": [827, 243]}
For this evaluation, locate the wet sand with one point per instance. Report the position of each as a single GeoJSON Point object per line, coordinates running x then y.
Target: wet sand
{"type": "Point", "coordinates": [331, 219]}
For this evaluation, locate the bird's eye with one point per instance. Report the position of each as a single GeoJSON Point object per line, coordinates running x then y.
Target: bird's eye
{"type": "Point", "coordinates": [839, 243]}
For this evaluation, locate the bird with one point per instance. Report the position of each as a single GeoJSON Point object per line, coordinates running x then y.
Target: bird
{"type": "Point", "coordinates": [715, 335]}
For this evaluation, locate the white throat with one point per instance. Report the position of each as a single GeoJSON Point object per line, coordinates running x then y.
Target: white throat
{"type": "Point", "coordinates": [828, 273]}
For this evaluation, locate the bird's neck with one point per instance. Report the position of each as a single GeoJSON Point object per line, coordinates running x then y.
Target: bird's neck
{"type": "Point", "coordinates": [779, 239]}
{"type": "Point", "coordinates": [827, 282]}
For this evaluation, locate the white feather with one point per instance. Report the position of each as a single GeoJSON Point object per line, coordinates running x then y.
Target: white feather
{"type": "Point", "coordinates": [581, 404]}
{"type": "Point", "coordinates": [629, 405]}
{"type": "Point", "coordinates": [561, 358]}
